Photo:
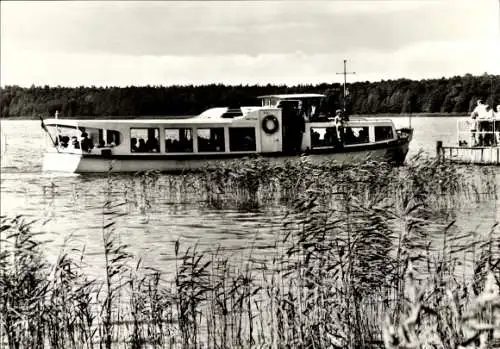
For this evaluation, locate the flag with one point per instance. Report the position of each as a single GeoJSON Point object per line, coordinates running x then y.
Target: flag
{"type": "Point", "coordinates": [43, 125]}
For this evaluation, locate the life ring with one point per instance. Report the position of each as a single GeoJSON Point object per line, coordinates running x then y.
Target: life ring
{"type": "Point", "coordinates": [270, 124]}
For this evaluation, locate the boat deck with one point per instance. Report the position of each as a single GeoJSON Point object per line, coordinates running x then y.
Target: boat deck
{"type": "Point", "coordinates": [468, 155]}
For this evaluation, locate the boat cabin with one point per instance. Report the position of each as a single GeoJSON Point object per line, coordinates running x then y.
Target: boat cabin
{"type": "Point", "coordinates": [287, 124]}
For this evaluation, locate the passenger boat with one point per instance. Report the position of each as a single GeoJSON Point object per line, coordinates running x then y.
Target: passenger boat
{"type": "Point", "coordinates": [282, 128]}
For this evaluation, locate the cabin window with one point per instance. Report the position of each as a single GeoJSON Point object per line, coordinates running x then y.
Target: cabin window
{"type": "Point", "coordinates": [356, 135]}
{"type": "Point", "coordinates": [112, 137]}
{"type": "Point", "coordinates": [108, 138]}
{"type": "Point", "coordinates": [178, 140]}
{"type": "Point", "coordinates": [144, 140]}
{"type": "Point", "coordinates": [66, 137]}
{"type": "Point", "coordinates": [211, 139]}
{"type": "Point", "coordinates": [242, 139]}
{"type": "Point", "coordinates": [323, 137]}
{"type": "Point", "coordinates": [383, 133]}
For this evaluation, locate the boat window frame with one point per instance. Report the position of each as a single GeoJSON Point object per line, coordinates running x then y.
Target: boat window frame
{"type": "Point", "coordinates": [191, 129]}
{"type": "Point", "coordinates": [385, 139]}
{"type": "Point", "coordinates": [70, 132]}
{"type": "Point", "coordinates": [367, 127]}
{"type": "Point", "coordinates": [255, 139]}
{"type": "Point", "coordinates": [333, 145]}
{"type": "Point", "coordinates": [115, 135]}
{"type": "Point", "coordinates": [224, 135]}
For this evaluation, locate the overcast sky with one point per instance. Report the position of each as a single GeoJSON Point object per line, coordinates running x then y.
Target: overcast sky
{"type": "Point", "coordinates": [74, 43]}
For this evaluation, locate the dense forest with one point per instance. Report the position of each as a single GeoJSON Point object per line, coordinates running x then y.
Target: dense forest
{"type": "Point", "coordinates": [445, 95]}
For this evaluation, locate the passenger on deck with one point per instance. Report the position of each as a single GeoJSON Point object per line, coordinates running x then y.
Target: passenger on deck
{"type": "Point", "coordinates": [86, 143]}
{"type": "Point", "coordinates": [497, 124]}
{"type": "Point", "coordinates": [473, 129]}
{"type": "Point", "coordinates": [480, 110]}
{"type": "Point", "coordinates": [339, 125]}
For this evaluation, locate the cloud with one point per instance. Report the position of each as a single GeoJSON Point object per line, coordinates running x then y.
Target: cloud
{"type": "Point", "coordinates": [139, 43]}
{"type": "Point", "coordinates": [219, 28]}
{"type": "Point", "coordinates": [416, 61]}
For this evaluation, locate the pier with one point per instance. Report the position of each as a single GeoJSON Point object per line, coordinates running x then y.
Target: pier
{"type": "Point", "coordinates": [478, 142]}
{"type": "Point", "coordinates": [468, 155]}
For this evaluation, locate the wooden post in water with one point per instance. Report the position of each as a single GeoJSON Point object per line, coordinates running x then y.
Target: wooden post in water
{"type": "Point", "coordinates": [439, 151]}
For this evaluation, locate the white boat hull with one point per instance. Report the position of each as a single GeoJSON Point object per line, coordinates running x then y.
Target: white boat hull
{"type": "Point", "coordinates": [78, 163]}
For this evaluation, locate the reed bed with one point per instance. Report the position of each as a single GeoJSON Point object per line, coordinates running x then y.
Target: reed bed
{"type": "Point", "coordinates": [366, 257]}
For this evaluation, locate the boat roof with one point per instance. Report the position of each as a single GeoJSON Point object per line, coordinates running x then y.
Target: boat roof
{"type": "Point", "coordinates": [190, 122]}
{"type": "Point", "coordinates": [294, 96]}
{"type": "Point", "coordinates": [104, 122]}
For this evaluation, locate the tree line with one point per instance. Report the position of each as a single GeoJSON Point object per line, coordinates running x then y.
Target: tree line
{"type": "Point", "coordinates": [446, 95]}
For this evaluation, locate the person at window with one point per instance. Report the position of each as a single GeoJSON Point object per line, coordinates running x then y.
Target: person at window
{"type": "Point", "coordinates": [152, 144]}
{"type": "Point", "coordinates": [74, 142]}
{"type": "Point", "coordinates": [133, 145]}
{"type": "Point", "coordinates": [363, 136]}
{"type": "Point", "coordinates": [248, 143]}
{"type": "Point", "coordinates": [86, 143]}
{"type": "Point", "coordinates": [216, 142]}
{"type": "Point", "coordinates": [304, 111]}
{"type": "Point", "coordinates": [185, 144]}
{"type": "Point", "coordinates": [315, 139]}
{"type": "Point", "coordinates": [169, 145]}
{"type": "Point", "coordinates": [330, 136]}
{"type": "Point", "coordinates": [142, 146]}
{"type": "Point", "coordinates": [111, 140]}
{"type": "Point", "coordinates": [63, 141]}
{"type": "Point", "coordinates": [496, 117]}
{"type": "Point", "coordinates": [344, 116]}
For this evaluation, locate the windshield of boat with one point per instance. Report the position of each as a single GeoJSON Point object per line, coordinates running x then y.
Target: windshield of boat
{"type": "Point", "coordinates": [67, 137]}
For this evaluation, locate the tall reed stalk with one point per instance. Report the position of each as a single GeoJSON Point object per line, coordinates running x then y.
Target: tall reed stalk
{"type": "Point", "coordinates": [366, 256]}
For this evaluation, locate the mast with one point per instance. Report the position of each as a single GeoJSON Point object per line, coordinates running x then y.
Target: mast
{"type": "Point", "coordinates": [345, 72]}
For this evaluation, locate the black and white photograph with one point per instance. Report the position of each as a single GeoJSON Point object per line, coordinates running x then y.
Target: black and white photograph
{"type": "Point", "coordinates": [271, 174]}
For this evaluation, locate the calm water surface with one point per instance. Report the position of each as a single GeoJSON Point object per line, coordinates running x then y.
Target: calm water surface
{"type": "Point", "coordinates": [71, 205]}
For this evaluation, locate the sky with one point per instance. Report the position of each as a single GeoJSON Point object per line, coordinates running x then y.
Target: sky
{"type": "Point", "coordinates": [123, 43]}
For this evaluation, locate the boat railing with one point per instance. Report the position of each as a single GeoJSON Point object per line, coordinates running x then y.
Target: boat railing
{"type": "Point", "coordinates": [478, 132]}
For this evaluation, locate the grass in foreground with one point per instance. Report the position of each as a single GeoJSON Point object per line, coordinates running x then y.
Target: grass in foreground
{"type": "Point", "coordinates": [353, 267]}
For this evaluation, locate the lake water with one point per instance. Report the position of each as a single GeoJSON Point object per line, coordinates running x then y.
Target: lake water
{"type": "Point", "coordinates": [71, 206]}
